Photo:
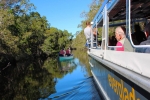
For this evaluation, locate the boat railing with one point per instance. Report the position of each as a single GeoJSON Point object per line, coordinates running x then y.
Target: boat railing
{"type": "Point", "coordinates": [129, 20]}
{"type": "Point", "coordinates": [137, 46]}
{"type": "Point", "coordinates": [100, 15]}
{"type": "Point", "coordinates": [129, 35]}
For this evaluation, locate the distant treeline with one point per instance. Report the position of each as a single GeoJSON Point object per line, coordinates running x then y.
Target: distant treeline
{"type": "Point", "coordinates": [26, 34]}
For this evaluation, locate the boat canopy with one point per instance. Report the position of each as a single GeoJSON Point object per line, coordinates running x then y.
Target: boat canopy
{"type": "Point", "coordinates": [117, 10]}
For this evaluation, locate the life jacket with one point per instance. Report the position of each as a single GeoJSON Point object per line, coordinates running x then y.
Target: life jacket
{"type": "Point", "coordinates": [61, 52]}
{"type": "Point", "coordinates": [67, 51]}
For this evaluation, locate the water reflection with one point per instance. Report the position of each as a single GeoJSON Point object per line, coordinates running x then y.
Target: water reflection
{"type": "Point", "coordinates": [67, 66]}
{"type": "Point", "coordinates": [27, 80]}
{"type": "Point", "coordinates": [34, 79]}
{"type": "Point", "coordinates": [77, 82]}
{"type": "Point", "coordinates": [83, 60]}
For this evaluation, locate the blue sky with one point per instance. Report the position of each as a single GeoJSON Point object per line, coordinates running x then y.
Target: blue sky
{"type": "Point", "coordinates": [63, 14]}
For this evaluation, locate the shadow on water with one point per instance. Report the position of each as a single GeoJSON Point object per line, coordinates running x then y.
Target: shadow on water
{"type": "Point", "coordinates": [49, 79]}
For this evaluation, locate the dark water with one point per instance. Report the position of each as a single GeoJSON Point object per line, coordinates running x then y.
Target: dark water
{"type": "Point", "coordinates": [49, 80]}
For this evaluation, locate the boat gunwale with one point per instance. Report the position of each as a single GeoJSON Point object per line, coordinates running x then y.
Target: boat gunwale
{"type": "Point", "coordinates": [134, 77]}
{"type": "Point", "coordinates": [62, 58]}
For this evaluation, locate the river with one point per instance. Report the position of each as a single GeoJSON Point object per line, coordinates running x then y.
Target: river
{"type": "Point", "coordinates": [50, 79]}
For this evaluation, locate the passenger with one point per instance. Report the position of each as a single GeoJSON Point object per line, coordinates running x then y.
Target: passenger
{"type": "Point", "coordinates": [62, 52]}
{"type": "Point", "coordinates": [134, 40]}
{"type": "Point", "coordinates": [122, 40]}
{"type": "Point", "coordinates": [112, 41]}
{"type": "Point", "coordinates": [140, 36]}
{"type": "Point", "coordinates": [68, 52]}
{"type": "Point", "coordinates": [87, 33]}
{"type": "Point", "coordinates": [99, 43]}
{"type": "Point", "coordinates": [95, 36]}
{"type": "Point", "coordinates": [146, 42]}
{"type": "Point", "coordinates": [95, 33]}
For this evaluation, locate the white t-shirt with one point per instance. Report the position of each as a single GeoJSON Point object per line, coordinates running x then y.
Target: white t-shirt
{"type": "Point", "coordinates": [87, 32]}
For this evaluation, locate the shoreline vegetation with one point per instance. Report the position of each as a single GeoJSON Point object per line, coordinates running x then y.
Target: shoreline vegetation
{"type": "Point", "coordinates": [27, 39]}
{"type": "Point", "coordinates": [25, 34]}
{"type": "Point", "coordinates": [21, 40]}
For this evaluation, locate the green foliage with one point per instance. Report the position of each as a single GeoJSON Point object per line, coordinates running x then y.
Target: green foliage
{"type": "Point", "coordinates": [55, 40]}
{"type": "Point", "coordinates": [7, 40]}
{"type": "Point", "coordinates": [79, 41]}
{"type": "Point", "coordinates": [27, 33]}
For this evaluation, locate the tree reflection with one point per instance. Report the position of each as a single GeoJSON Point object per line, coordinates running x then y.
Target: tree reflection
{"type": "Point", "coordinates": [61, 68]}
{"type": "Point", "coordinates": [34, 79]}
{"type": "Point", "coordinates": [67, 66]}
{"type": "Point", "coordinates": [84, 60]}
{"type": "Point", "coordinates": [27, 80]}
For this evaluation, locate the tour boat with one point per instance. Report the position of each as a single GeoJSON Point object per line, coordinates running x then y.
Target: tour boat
{"type": "Point", "coordinates": [120, 75]}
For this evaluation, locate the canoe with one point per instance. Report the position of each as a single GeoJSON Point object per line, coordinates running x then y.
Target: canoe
{"type": "Point", "coordinates": [62, 58]}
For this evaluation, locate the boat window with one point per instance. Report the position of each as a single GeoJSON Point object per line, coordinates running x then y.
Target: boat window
{"type": "Point", "coordinates": [138, 14]}
{"type": "Point", "coordinates": [127, 13]}
{"type": "Point", "coordinates": [112, 41]}
{"type": "Point", "coordinates": [130, 13]}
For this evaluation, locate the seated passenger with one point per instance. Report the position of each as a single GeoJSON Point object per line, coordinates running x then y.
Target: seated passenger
{"type": "Point", "coordinates": [122, 40]}
{"type": "Point", "coordinates": [62, 52]}
{"type": "Point", "coordinates": [140, 36]}
{"type": "Point", "coordinates": [68, 52]}
{"type": "Point", "coordinates": [146, 42]}
{"type": "Point", "coordinates": [112, 41]}
{"type": "Point", "coordinates": [134, 40]}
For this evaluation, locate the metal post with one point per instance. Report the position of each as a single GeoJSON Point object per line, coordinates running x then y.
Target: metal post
{"type": "Point", "coordinates": [91, 36]}
{"type": "Point", "coordinates": [96, 33]}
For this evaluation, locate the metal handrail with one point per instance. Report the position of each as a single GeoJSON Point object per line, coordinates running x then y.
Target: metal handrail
{"type": "Point", "coordinates": [130, 40]}
{"type": "Point", "coordinates": [96, 19]}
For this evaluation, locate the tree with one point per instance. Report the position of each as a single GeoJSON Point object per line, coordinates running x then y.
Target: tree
{"type": "Point", "coordinates": [55, 40]}
{"type": "Point", "coordinates": [79, 42]}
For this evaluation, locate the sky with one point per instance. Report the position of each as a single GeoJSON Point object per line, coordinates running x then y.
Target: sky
{"type": "Point", "coordinates": [63, 14]}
